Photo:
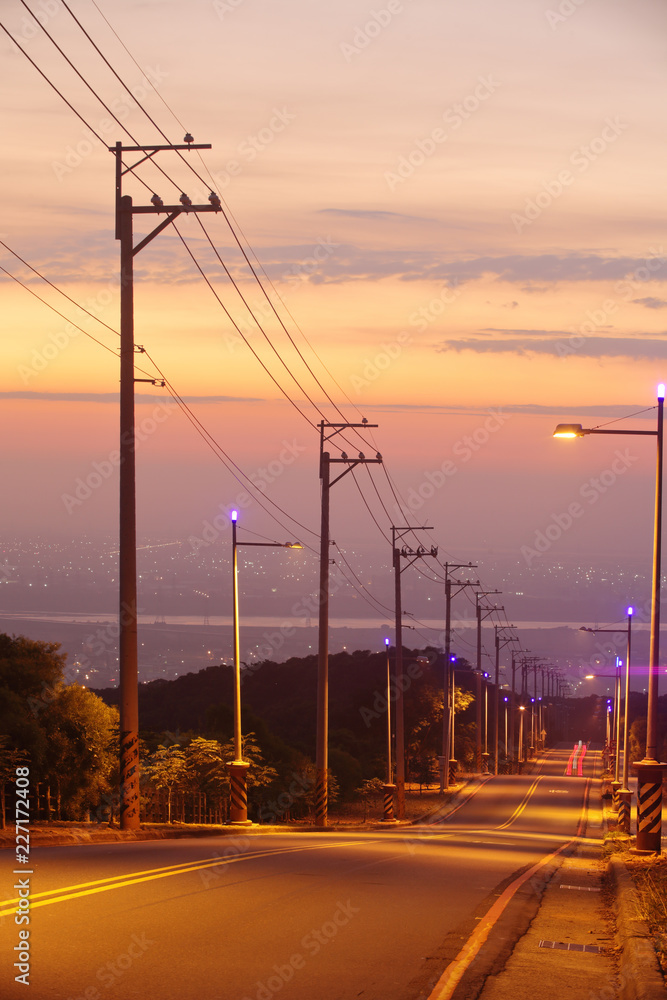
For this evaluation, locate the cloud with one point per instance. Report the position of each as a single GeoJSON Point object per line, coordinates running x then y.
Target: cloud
{"type": "Point", "coordinates": [334, 262]}
{"type": "Point", "coordinates": [592, 347]}
{"type": "Point", "coordinates": [114, 397]}
{"type": "Point", "coordinates": [374, 214]}
{"type": "Point", "coordinates": [533, 409]}
{"type": "Point", "coordinates": [651, 302]}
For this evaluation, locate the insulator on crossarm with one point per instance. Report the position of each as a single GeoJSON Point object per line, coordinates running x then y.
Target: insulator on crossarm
{"type": "Point", "coordinates": [214, 200]}
{"type": "Point", "coordinates": [188, 138]}
{"type": "Point", "coordinates": [157, 201]}
{"type": "Point", "coordinates": [184, 200]}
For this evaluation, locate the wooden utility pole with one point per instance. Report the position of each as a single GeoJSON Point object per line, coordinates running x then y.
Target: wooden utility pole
{"type": "Point", "coordinates": [322, 737]}
{"type": "Point", "coordinates": [127, 570]}
{"type": "Point", "coordinates": [413, 555]}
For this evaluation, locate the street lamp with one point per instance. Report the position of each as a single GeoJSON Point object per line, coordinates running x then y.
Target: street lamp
{"type": "Point", "coordinates": [522, 709]}
{"type": "Point", "coordinates": [238, 768]}
{"type": "Point", "coordinates": [389, 787]}
{"type": "Point", "coordinates": [452, 760]}
{"type": "Point", "coordinates": [649, 770]}
{"type": "Point", "coordinates": [485, 755]}
{"type": "Point", "coordinates": [623, 793]}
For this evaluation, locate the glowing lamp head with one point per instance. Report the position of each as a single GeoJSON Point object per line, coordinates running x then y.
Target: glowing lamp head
{"type": "Point", "coordinates": [386, 642]}
{"type": "Point", "coordinates": [568, 431]}
{"type": "Point", "coordinates": [234, 516]}
{"type": "Point", "coordinates": [661, 391]}
{"type": "Point", "coordinates": [630, 612]}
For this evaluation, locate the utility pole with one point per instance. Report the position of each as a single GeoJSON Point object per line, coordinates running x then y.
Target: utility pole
{"type": "Point", "coordinates": [448, 689]}
{"type": "Point", "coordinates": [499, 642]}
{"type": "Point", "coordinates": [127, 570]}
{"type": "Point", "coordinates": [322, 739]}
{"type": "Point", "coordinates": [413, 555]}
{"type": "Point", "coordinates": [481, 613]}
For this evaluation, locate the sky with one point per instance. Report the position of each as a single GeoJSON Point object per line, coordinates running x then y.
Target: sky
{"type": "Point", "coordinates": [456, 210]}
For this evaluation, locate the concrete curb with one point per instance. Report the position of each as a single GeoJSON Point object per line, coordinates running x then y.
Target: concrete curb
{"type": "Point", "coordinates": [641, 978]}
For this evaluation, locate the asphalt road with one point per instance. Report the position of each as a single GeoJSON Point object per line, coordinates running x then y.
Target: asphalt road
{"type": "Point", "coordinates": [302, 916]}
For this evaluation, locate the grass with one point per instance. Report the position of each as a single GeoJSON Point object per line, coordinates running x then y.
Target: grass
{"type": "Point", "coordinates": [649, 874]}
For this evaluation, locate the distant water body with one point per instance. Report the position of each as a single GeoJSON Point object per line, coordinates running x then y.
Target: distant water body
{"type": "Point", "coordinates": [248, 621]}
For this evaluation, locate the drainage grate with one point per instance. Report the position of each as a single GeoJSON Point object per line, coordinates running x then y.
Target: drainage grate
{"type": "Point", "coordinates": [580, 888]}
{"type": "Point", "coordinates": [564, 946]}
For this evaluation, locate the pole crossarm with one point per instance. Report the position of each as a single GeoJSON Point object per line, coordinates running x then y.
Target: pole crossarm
{"type": "Point", "coordinates": [413, 555]}
{"type": "Point", "coordinates": [352, 463]}
{"type": "Point", "coordinates": [322, 725]}
{"type": "Point", "coordinates": [127, 548]}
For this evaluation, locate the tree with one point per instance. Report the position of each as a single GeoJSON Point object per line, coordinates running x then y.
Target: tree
{"type": "Point", "coordinates": [82, 737]}
{"type": "Point", "coordinates": [371, 790]}
{"type": "Point", "coordinates": [10, 759]}
{"type": "Point", "coordinates": [66, 734]}
{"type": "Point", "coordinates": [166, 768]}
{"type": "Point", "coordinates": [30, 675]}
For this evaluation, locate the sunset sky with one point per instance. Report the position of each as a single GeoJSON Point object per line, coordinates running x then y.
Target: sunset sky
{"type": "Point", "coordinates": [461, 206]}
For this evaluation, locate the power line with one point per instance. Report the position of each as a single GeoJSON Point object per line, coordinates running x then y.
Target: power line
{"type": "Point", "coordinates": [62, 315]}
{"type": "Point", "coordinates": [199, 427]}
{"type": "Point", "coordinates": [62, 97]}
{"type": "Point", "coordinates": [55, 287]}
{"type": "Point", "coordinates": [240, 332]}
{"type": "Point", "coordinates": [216, 447]}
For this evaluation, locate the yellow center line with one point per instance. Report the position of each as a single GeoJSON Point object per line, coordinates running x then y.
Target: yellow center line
{"type": "Point", "coordinates": [520, 808]}
{"type": "Point", "coordinates": [456, 969]}
{"type": "Point", "coordinates": [133, 878]}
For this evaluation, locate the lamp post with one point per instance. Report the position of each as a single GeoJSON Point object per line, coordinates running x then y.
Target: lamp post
{"type": "Point", "coordinates": [238, 768]}
{"type": "Point", "coordinates": [649, 770]}
{"type": "Point", "coordinates": [485, 755]}
{"type": "Point", "coordinates": [522, 709]}
{"type": "Point", "coordinates": [388, 788]}
{"type": "Point", "coordinates": [452, 760]}
{"type": "Point", "coordinates": [623, 793]}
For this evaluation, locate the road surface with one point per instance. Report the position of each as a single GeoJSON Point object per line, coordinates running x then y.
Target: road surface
{"type": "Point", "coordinates": [377, 915]}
